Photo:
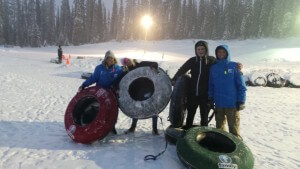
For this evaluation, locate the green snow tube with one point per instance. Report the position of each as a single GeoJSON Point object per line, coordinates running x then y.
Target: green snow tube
{"type": "Point", "coordinates": [205, 147]}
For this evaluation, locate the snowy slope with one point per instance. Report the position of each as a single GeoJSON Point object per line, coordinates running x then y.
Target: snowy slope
{"type": "Point", "coordinates": [34, 95]}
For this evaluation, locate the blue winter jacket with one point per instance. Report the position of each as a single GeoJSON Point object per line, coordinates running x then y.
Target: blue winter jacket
{"type": "Point", "coordinates": [226, 84]}
{"type": "Point", "coordinates": [104, 77]}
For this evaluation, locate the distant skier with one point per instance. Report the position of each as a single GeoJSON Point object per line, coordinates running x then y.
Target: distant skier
{"type": "Point", "coordinates": [59, 53]}
{"type": "Point", "coordinates": [227, 90]}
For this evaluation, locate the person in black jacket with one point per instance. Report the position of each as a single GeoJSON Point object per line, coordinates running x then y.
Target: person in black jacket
{"type": "Point", "coordinates": [59, 53]}
{"type": "Point", "coordinates": [132, 64]}
{"type": "Point", "coordinates": [199, 66]}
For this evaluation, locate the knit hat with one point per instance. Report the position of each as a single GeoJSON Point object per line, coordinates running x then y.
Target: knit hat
{"type": "Point", "coordinates": [124, 61]}
{"type": "Point", "coordinates": [109, 54]}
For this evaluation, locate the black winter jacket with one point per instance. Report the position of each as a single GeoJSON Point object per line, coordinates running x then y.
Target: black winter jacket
{"type": "Point", "coordinates": [199, 67]}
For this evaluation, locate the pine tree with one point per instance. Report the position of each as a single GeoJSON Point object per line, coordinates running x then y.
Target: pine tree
{"type": "Point", "coordinates": [114, 20]}
{"type": "Point", "coordinates": [266, 18]}
{"type": "Point", "coordinates": [247, 20]}
{"type": "Point", "coordinates": [50, 19]}
{"type": "Point", "coordinates": [201, 18]}
{"type": "Point", "coordinates": [120, 32]}
{"type": "Point", "coordinates": [38, 13]}
{"type": "Point", "coordinates": [33, 29]}
{"type": "Point", "coordinates": [1, 22]}
{"type": "Point", "coordinates": [182, 22]}
{"type": "Point", "coordinates": [257, 10]}
{"type": "Point", "coordinates": [174, 17]}
{"type": "Point", "coordinates": [231, 19]}
{"type": "Point", "coordinates": [78, 29]}
{"type": "Point", "coordinates": [210, 19]}
{"type": "Point", "coordinates": [90, 10]}
{"type": "Point", "coordinates": [7, 22]}
{"type": "Point", "coordinates": [65, 23]}
{"type": "Point", "coordinates": [100, 24]}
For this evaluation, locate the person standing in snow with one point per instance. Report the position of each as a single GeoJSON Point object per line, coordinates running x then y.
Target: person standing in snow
{"type": "Point", "coordinates": [227, 91]}
{"type": "Point", "coordinates": [199, 66]}
{"type": "Point", "coordinates": [132, 64]}
{"type": "Point", "coordinates": [106, 75]}
{"type": "Point", "coordinates": [59, 53]}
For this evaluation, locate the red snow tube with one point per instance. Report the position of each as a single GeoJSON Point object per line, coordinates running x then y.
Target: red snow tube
{"type": "Point", "coordinates": [91, 114]}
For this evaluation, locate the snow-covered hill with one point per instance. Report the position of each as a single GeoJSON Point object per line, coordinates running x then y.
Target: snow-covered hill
{"type": "Point", "coordinates": [34, 95]}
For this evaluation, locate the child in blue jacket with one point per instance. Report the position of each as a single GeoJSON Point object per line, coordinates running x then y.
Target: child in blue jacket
{"type": "Point", "coordinates": [227, 90]}
{"type": "Point", "coordinates": [106, 75]}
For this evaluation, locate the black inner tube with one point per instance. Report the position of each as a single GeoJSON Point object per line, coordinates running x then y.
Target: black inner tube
{"type": "Point", "coordinates": [141, 89]}
{"type": "Point", "coordinates": [215, 142]}
{"type": "Point", "coordinates": [85, 111]}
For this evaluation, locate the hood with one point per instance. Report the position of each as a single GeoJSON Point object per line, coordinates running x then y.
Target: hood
{"type": "Point", "coordinates": [202, 43]}
{"type": "Point", "coordinates": [226, 48]}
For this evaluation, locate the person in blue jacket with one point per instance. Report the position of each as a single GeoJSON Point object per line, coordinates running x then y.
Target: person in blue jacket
{"type": "Point", "coordinates": [106, 75]}
{"type": "Point", "coordinates": [227, 91]}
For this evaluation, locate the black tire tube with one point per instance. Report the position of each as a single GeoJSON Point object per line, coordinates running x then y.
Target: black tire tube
{"type": "Point", "coordinates": [86, 75]}
{"type": "Point", "coordinates": [275, 80]}
{"type": "Point", "coordinates": [178, 103]}
{"type": "Point", "coordinates": [159, 96]}
{"type": "Point", "coordinates": [173, 134]}
{"type": "Point", "coordinates": [259, 77]}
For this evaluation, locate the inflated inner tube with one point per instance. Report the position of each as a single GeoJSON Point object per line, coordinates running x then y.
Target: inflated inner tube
{"type": "Point", "coordinates": [257, 79]}
{"type": "Point", "coordinates": [91, 114]}
{"type": "Point", "coordinates": [173, 134]}
{"type": "Point", "coordinates": [141, 89]}
{"type": "Point", "coordinates": [178, 104]}
{"type": "Point", "coordinates": [215, 142]}
{"type": "Point", "coordinates": [86, 75]}
{"type": "Point", "coordinates": [144, 92]}
{"type": "Point", "coordinates": [205, 147]}
{"type": "Point", "coordinates": [85, 111]}
{"type": "Point", "coordinates": [293, 81]}
{"type": "Point", "coordinates": [275, 80]}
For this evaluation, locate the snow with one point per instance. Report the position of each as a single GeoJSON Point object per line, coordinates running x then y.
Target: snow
{"type": "Point", "coordinates": [35, 94]}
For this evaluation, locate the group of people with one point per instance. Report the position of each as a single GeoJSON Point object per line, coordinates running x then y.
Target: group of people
{"type": "Point", "coordinates": [216, 83]}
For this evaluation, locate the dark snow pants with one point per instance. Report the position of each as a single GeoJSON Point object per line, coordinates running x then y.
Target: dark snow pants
{"type": "Point", "coordinates": [154, 123]}
{"type": "Point", "coordinates": [193, 103]}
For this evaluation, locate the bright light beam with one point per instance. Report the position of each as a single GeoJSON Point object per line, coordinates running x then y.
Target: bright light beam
{"type": "Point", "coordinates": [146, 22]}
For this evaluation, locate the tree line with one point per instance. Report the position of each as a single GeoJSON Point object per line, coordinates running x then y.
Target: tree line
{"type": "Point", "coordinates": [38, 23]}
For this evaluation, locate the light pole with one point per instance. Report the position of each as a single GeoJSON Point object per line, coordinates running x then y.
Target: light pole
{"type": "Point", "coordinates": [146, 22]}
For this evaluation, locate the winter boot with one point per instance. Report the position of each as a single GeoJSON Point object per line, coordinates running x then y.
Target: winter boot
{"type": "Point", "coordinates": [114, 131]}
{"type": "Point", "coordinates": [130, 130]}
{"type": "Point", "coordinates": [155, 132]}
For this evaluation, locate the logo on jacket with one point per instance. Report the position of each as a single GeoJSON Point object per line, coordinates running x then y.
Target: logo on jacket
{"type": "Point", "coordinates": [230, 70]}
{"type": "Point", "coordinates": [226, 162]}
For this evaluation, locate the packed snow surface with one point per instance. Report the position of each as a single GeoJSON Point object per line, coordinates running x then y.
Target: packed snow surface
{"type": "Point", "coordinates": [35, 93]}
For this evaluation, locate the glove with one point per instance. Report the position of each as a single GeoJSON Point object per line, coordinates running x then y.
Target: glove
{"type": "Point", "coordinates": [210, 103]}
{"type": "Point", "coordinates": [154, 66]}
{"type": "Point", "coordinates": [125, 69]}
{"type": "Point", "coordinates": [240, 106]}
{"type": "Point", "coordinates": [80, 88]}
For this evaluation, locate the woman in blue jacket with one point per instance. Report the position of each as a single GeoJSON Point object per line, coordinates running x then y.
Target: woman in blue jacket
{"type": "Point", "coordinates": [227, 90]}
{"type": "Point", "coordinates": [106, 75]}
